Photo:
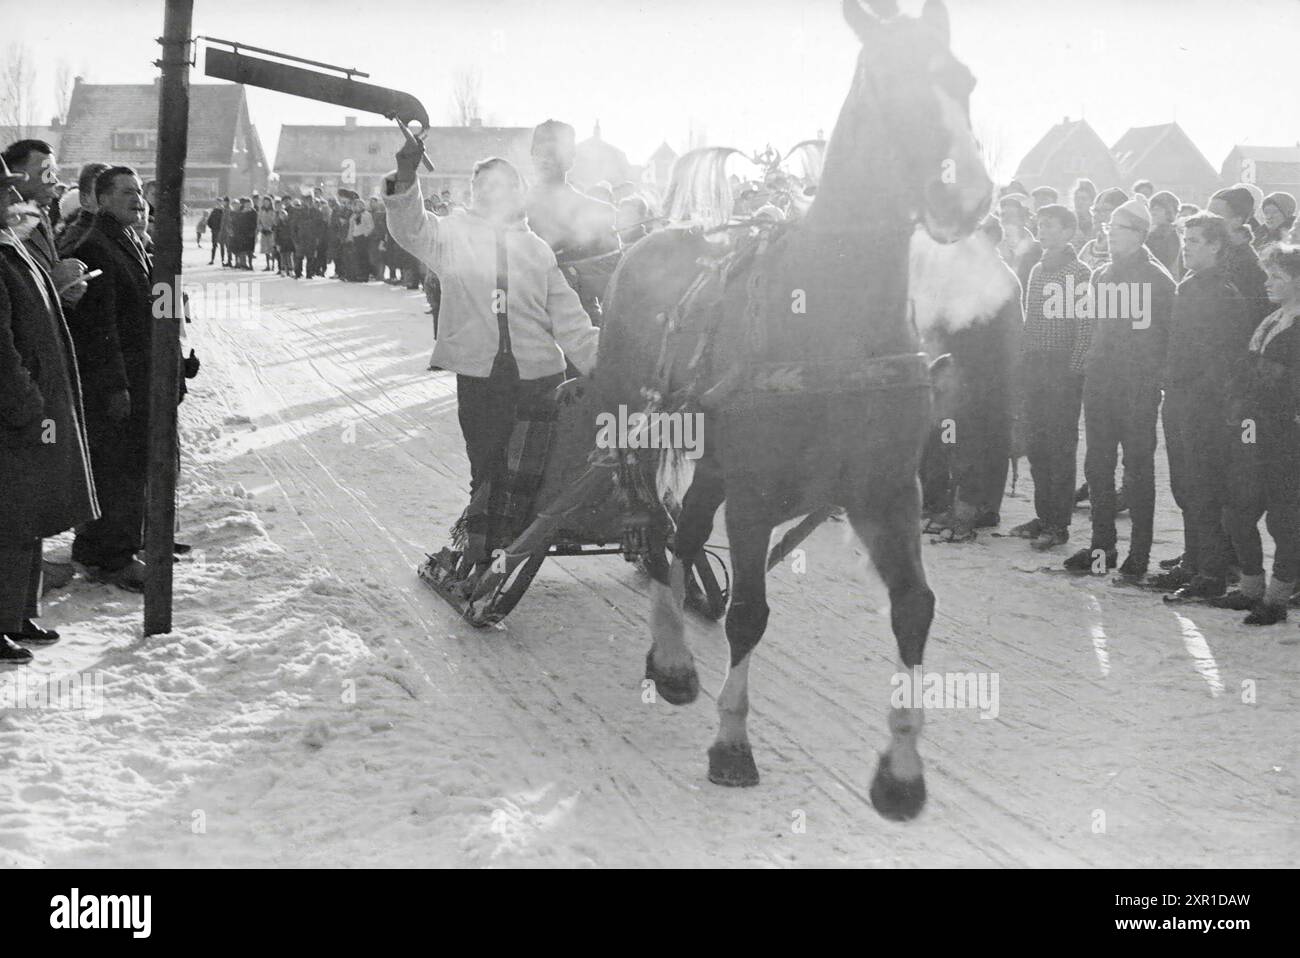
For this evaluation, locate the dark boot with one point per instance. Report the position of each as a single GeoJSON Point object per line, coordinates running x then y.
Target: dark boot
{"type": "Point", "coordinates": [1198, 590]}
{"type": "Point", "coordinates": [1175, 578]}
{"type": "Point", "coordinates": [33, 634]}
{"type": "Point", "coordinates": [1134, 567]}
{"type": "Point", "coordinates": [12, 654]}
{"type": "Point", "coordinates": [1082, 561]}
{"type": "Point", "coordinates": [1266, 613]}
{"type": "Point", "coordinates": [1236, 600]}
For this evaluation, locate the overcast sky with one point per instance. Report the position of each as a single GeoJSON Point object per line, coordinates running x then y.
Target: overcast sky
{"type": "Point", "coordinates": [746, 71]}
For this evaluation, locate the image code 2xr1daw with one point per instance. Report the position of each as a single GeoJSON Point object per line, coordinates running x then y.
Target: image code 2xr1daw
{"type": "Point", "coordinates": [742, 434]}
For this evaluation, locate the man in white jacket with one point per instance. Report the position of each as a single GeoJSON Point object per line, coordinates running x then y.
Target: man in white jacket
{"type": "Point", "coordinates": [507, 322]}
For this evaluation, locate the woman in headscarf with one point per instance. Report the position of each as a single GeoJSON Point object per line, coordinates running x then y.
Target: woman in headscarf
{"type": "Point", "coordinates": [1278, 213]}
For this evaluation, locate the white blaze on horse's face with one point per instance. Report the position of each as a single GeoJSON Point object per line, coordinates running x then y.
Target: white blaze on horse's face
{"type": "Point", "coordinates": [959, 197]}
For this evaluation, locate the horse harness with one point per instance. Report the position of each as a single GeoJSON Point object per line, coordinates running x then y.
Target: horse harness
{"type": "Point", "coordinates": [756, 379]}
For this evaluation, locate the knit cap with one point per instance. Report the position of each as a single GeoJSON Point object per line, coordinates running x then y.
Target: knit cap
{"type": "Point", "coordinates": [1134, 214]}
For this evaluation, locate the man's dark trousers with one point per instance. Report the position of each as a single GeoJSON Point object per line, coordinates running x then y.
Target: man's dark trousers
{"type": "Point", "coordinates": [1053, 398]}
{"type": "Point", "coordinates": [118, 457]}
{"type": "Point", "coordinates": [1121, 412]}
{"type": "Point", "coordinates": [20, 582]}
{"type": "Point", "coordinates": [1198, 443]}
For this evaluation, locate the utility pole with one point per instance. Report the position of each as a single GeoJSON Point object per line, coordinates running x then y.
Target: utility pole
{"type": "Point", "coordinates": [164, 366]}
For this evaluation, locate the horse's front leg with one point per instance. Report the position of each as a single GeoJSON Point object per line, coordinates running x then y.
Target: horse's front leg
{"type": "Point", "coordinates": [731, 760]}
{"type": "Point", "coordinates": [888, 527]}
{"type": "Point", "coordinates": [669, 663]}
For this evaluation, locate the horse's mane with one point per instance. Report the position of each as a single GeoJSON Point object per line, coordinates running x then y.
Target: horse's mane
{"type": "Point", "coordinates": [698, 190]}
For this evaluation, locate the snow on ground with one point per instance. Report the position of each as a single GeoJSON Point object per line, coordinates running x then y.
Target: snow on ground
{"type": "Point", "coordinates": [316, 705]}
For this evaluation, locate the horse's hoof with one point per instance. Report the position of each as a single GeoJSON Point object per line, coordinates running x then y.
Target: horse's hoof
{"type": "Point", "coordinates": [732, 765]}
{"type": "Point", "coordinates": [897, 799]}
{"type": "Point", "coordinates": [675, 686]}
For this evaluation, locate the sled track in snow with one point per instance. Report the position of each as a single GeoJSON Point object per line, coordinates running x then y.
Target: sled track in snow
{"type": "Point", "coordinates": [557, 690]}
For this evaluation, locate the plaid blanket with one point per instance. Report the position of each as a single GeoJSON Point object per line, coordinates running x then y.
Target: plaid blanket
{"type": "Point", "coordinates": [504, 505]}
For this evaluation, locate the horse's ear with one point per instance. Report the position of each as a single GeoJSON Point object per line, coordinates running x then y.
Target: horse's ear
{"type": "Point", "coordinates": [935, 15]}
{"type": "Point", "coordinates": [864, 23]}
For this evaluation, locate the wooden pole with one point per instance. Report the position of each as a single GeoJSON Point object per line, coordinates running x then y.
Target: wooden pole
{"type": "Point", "coordinates": [164, 370]}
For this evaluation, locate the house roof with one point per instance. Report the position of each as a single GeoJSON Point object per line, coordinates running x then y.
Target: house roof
{"type": "Point", "coordinates": [1142, 144]}
{"type": "Point", "coordinates": [453, 149]}
{"type": "Point", "coordinates": [596, 160]}
{"type": "Point", "coordinates": [1268, 154]}
{"type": "Point", "coordinates": [663, 152]}
{"type": "Point", "coordinates": [1072, 135]}
{"type": "Point", "coordinates": [98, 110]}
{"type": "Point", "coordinates": [1138, 143]}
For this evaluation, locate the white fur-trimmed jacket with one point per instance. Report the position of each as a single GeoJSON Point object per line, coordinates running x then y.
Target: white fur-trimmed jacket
{"type": "Point", "coordinates": [546, 319]}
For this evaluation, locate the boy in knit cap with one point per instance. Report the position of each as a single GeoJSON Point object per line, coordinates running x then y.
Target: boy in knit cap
{"type": "Point", "coordinates": [1163, 241]}
{"type": "Point", "coordinates": [1054, 346]}
{"type": "Point", "coordinates": [1132, 304]}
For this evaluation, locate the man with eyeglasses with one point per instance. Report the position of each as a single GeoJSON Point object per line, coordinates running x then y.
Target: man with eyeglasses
{"type": "Point", "coordinates": [1132, 299]}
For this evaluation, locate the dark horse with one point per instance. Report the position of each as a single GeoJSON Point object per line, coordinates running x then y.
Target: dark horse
{"type": "Point", "coordinates": [824, 307]}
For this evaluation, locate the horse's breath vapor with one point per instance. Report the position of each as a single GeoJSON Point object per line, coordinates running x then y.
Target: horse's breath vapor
{"type": "Point", "coordinates": [953, 285]}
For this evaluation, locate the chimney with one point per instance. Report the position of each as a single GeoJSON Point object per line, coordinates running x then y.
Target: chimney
{"type": "Point", "coordinates": [76, 81]}
{"type": "Point", "coordinates": [595, 133]}
{"type": "Point", "coordinates": [476, 122]}
{"type": "Point", "coordinates": [350, 121]}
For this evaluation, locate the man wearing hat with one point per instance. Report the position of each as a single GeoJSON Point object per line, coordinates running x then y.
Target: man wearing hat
{"type": "Point", "coordinates": [577, 227]}
{"type": "Point", "coordinates": [44, 464]}
{"type": "Point", "coordinates": [1236, 206]}
{"type": "Point", "coordinates": [1018, 248]}
{"type": "Point", "coordinates": [1133, 298]}
{"type": "Point", "coordinates": [1163, 241]}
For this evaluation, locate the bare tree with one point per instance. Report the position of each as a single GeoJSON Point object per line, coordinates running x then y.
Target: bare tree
{"type": "Point", "coordinates": [17, 90]}
{"type": "Point", "coordinates": [466, 85]}
{"type": "Point", "coordinates": [62, 89]}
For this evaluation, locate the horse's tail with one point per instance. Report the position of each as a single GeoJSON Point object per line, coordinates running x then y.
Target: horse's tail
{"type": "Point", "coordinates": [698, 189]}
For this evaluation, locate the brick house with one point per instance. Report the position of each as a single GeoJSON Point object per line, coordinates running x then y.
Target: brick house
{"type": "Point", "coordinates": [1166, 156]}
{"type": "Point", "coordinates": [1069, 150]}
{"type": "Point", "coordinates": [1271, 168]}
{"type": "Point", "coordinates": [117, 123]}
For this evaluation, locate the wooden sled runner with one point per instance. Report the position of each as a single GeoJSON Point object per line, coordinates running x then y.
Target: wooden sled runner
{"type": "Point", "coordinates": [581, 511]}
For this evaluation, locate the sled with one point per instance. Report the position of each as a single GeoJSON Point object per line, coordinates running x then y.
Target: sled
{"type": "Point", "coordinates": [580, 511]}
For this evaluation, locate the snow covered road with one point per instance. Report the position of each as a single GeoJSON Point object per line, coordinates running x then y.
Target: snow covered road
{"type": "Point", "coordinates": [318, 706]}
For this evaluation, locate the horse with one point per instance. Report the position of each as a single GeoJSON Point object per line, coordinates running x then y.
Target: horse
{"type": "Point", "coordinates": [807, 370]}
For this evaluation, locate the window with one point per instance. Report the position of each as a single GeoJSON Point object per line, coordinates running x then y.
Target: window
{"type": "Point", "coordinates": [135, 140]}
{"type": "Point", "coordinates": [200, 188]}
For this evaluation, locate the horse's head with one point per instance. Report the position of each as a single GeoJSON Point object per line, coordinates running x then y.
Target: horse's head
{"type": "Point", "coordinates": [908, 74]}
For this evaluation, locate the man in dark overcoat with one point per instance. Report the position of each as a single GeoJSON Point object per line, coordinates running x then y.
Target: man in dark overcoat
{"type": "Point", "coordinates": [45, 478]}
